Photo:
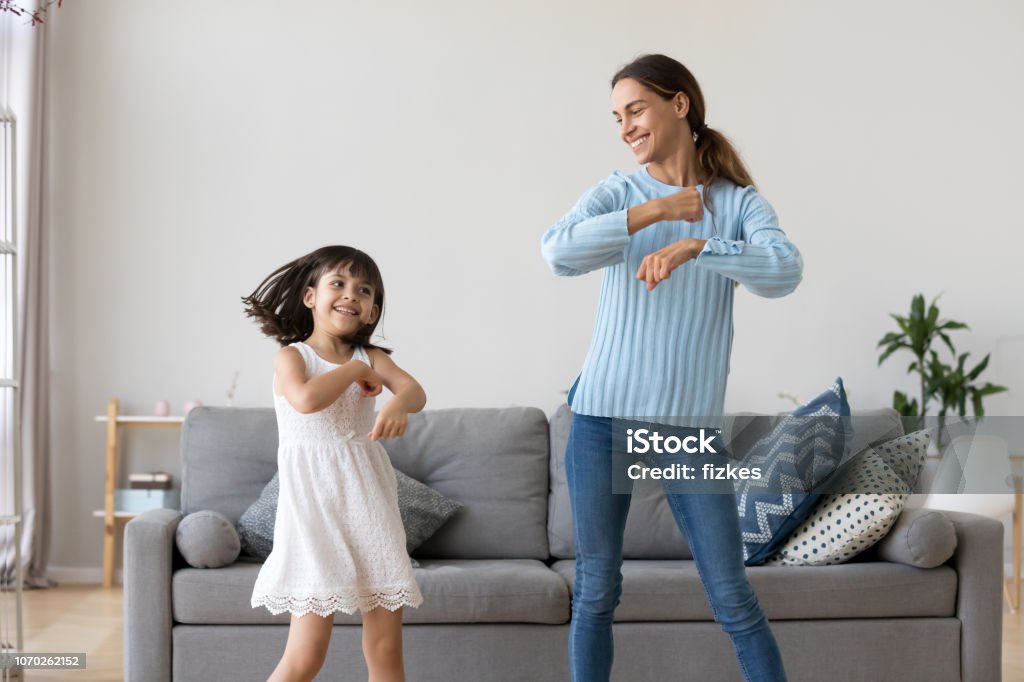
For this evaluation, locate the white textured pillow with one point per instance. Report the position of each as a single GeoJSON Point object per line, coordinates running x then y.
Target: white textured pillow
{"type": "Point", "coordinates": [845, 524]}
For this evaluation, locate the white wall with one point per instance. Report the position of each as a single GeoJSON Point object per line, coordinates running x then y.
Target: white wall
{"type": "Point", "coordinates": [195, 146]}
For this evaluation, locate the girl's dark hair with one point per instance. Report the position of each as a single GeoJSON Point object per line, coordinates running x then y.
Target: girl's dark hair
{"type": "Point", "coordinates": [716, 157]}
{"type": "Point", "coordinates": [277, 302]}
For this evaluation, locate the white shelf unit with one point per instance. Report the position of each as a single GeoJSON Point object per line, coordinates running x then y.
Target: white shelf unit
{"type": "Point", "coordinates": [11, 512]}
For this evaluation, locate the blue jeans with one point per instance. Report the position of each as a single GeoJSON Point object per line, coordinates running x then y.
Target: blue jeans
{"type": "Point", "coordinates": [710, 523]}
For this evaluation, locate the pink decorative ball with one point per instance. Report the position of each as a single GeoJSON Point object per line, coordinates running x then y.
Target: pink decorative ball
{"type": "Point", "coordinates": [189, 404]}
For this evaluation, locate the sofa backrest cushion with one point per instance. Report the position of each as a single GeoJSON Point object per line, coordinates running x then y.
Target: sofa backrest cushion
{"type": "Point", "coordinates": [492, 461]}
{"type": "Point", "coordinates": [228, 454]}
{"type": "Point", "coordinates": [651, 531]}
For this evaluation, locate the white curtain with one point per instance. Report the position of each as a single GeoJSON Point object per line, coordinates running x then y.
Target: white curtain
{"type": "Point", "coordinates": [22, 70]}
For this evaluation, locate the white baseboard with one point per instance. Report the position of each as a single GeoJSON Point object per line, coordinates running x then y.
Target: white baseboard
{"type": "Point", "coordinates": [70, 575]}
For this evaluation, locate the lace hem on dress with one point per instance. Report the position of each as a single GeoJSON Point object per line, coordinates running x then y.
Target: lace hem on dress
{"type": "Point", "coordinates": [346, 603]}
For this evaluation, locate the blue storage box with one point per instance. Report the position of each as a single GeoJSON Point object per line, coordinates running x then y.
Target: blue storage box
{"type": "Point", "coordinates": [143, 500]}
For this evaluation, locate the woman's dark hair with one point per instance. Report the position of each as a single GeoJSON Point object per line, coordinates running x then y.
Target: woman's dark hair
{"type": "Point", "coordinates": [716, 157]}
{"type": "Point", "coordinates": [277, 302]}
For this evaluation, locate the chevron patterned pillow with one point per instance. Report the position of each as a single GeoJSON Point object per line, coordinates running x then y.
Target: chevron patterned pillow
{"type": "Point", "coordinates": [798, 455]}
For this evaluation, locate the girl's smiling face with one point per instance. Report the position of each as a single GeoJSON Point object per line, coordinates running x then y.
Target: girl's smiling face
{"type": "Point", "coordinates": [652, 126]}
{"type": "Point", "coordinates": [342, 303]}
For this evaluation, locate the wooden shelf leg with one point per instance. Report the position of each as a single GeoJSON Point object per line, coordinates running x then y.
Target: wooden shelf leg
{"type": "Point", "coordinates": [109, 523]}
{"type": "Point", "coordinates": [1018, 531]}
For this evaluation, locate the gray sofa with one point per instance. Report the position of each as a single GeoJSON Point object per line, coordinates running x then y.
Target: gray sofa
{"type": "Point", "coordinates": [497, 578]}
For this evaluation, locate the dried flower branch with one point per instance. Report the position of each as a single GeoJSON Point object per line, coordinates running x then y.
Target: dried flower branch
{"type": "Point", "coordinates": [35, 16]}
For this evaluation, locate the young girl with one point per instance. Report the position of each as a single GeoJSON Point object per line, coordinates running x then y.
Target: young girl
{"type": "Point", "coordinates": [339, 544]}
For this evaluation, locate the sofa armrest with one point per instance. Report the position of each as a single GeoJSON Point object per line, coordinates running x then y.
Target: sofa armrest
{"type": "Point", "coordinates": [148, 564]}
{"type": "Point", "coordinates": [979, 601]}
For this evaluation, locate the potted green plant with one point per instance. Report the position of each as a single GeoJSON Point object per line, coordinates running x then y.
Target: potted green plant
{"type": "Point", "coordinates": [951, 387]}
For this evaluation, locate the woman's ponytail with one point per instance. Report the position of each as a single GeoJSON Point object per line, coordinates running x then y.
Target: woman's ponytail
{"type": "Point", "coordinates": [717, 158]}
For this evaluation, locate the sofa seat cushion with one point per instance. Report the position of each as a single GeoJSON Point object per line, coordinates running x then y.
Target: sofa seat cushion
{"type": "Point", "coordinates": [671, 590]}
{"type": "Point", "coordinates": [454, 591]}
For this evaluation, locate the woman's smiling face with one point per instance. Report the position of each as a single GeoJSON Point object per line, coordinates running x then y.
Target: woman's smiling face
{"type": "Point", "coordinates": [652, 126]}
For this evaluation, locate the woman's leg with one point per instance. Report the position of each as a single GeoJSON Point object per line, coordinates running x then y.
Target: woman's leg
{"type": "Point", "coordinates": [599, 520]}
{"type": "Point", "coordinates": [710, 521]}
{"type": "Point", "coordinates": [304, 654]}
{"type": "Point", "coordinates": [382, 645]}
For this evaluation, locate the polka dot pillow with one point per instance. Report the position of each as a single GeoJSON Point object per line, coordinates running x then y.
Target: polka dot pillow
{"type": "Point", "coordinates": [870, 494]}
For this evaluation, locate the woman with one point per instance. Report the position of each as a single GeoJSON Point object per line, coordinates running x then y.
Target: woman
{"type": "Point", "coordinates": [673, 239]}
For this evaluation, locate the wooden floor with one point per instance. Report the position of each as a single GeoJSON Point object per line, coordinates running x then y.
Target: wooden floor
{"type": "Point", "coordinates": [88, 619]}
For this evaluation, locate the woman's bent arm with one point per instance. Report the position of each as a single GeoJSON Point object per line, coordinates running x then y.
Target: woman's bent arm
{"type": "Point", "coordinates": [593, 235]}
{"type": "Point", "coordinates": [765, 261]}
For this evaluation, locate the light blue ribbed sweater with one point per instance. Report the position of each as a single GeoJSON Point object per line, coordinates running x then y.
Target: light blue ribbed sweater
{"type": "Point", "coordinates": [665, 353]}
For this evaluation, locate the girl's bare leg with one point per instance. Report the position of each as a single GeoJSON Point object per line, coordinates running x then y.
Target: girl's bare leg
{"type": "Point", "coordinates": [382, 645]}
{"type": "Point", "coordinates": [304, 654]}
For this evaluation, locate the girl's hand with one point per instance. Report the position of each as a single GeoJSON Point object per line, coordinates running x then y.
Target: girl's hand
{"type": "Point", "coordinates": [369, 381]}
{"type": "Point", "coordinates": [658, 266]}
{"type": "Point", "coordinates": [683, 205]}
{"type": "Point", "coordinates": [391, 422]}
{"type": "Point", "coordinates": [370, 387]}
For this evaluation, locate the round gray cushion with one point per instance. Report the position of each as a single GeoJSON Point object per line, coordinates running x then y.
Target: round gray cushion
{"type": "Point", "coordinates": [208, 539]}
{"type": "Point", "coordinates": [921, 537]}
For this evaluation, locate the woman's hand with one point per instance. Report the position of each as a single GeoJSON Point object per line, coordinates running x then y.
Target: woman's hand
{"type": "Point", "coordinates": [683, 205]}
{"type": "Point", "coordinates": [658, 266]}
{"type": "Point", "coordinates": [391, 422]}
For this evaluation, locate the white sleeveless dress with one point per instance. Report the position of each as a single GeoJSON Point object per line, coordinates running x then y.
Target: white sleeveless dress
{"type": "Point", "coordinates": [339, 544]}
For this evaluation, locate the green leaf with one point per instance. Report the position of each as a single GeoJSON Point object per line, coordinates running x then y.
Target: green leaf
{"type": "Point", "coordinates": [889, 351]}
{"type": "Point", "coordinates": [979, 368]}
{"type": "Point", "coordinates": [890, 337]}
{"type": "Point", "coordinates": [949, 344]}
{"type": "Point", "coordinates": [917, 307]}
{"type": "Point", "coordinates": [900, 404]}
{"type": "Point", "coordinates": [991, 389]}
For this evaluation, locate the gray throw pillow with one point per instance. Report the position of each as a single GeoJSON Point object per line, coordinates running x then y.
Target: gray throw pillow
{"type": "Point", "coordinates": [207, 539]}
{"type": "Point", "coordinates": [423, 510]}
{"type": "Point", "coordinates": [921, 537]}
{"type": "Point", "coordinates": [256, 525]}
